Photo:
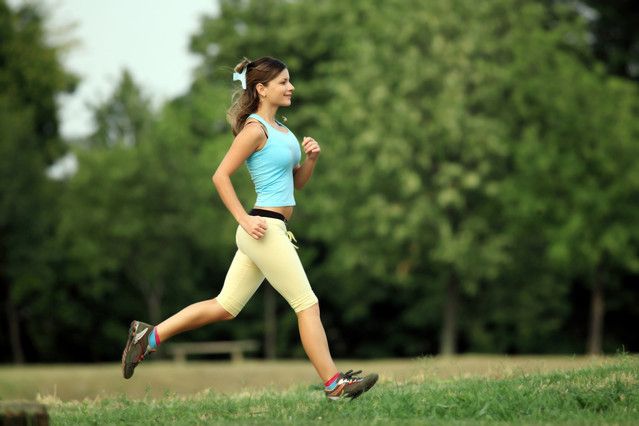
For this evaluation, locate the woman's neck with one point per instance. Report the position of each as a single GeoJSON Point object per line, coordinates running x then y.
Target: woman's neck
{"type": "Point", "coordinates": [267, 112]}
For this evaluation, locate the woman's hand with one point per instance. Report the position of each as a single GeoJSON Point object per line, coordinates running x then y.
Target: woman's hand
{"type": "Point", "coordinates": [302, 173]}
{"type": "Point", "coordinates": [311, 148]}
{"type": "Point", "coordinates": [255, 226]}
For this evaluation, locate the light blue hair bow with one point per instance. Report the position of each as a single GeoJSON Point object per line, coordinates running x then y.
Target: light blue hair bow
{"type": "Point", "coordinates": [241, 76]}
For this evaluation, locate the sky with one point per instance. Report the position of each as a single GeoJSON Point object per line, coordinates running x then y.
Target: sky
{"type": "Point", "coordinates": [150, 38]}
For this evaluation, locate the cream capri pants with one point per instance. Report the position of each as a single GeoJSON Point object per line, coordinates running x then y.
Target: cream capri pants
{"type": "Point", "coordinates": [273, 257]}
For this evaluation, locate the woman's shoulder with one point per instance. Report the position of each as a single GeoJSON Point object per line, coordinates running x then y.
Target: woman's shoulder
{"type": "Point", "coordinates": [254, 126]}
{"type": "Point", "coordinates": [257, 117]}
{"type": "Point", "coordinates": [253, 134]}
{"type": "Point", "coordinates": [253, 129]}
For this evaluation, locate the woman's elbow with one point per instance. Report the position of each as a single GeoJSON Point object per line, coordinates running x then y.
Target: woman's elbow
{"type": "Point", "coordinates": [218, 177]}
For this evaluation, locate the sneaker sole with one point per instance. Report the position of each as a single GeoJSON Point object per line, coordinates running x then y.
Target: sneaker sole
{"type": "Point", "coordinates": [132, 330]}
{"type": "Point", "coordinates": [370, 383]}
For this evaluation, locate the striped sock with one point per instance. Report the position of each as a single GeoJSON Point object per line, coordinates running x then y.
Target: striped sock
{"type": "Point", "coordinates": [331, 383]}
{"type": "Point", "coordinates": [154, 339]}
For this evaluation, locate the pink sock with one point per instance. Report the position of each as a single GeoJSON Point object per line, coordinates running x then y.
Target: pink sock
{"type": "Point", "coordinates": [331, 380]}
{"type": "Point", "coordinates": [154, 339]}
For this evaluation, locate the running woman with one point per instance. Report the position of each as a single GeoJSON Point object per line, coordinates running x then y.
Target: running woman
{"type": "Point", "coordinates": [265, 246]}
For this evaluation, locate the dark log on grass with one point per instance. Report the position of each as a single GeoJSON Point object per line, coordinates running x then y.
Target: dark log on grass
{"type": "Point", "coordinates": [18, 413]}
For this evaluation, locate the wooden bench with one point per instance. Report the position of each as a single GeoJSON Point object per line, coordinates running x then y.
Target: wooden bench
{"type": "Point", "coordinates": [236, 348]}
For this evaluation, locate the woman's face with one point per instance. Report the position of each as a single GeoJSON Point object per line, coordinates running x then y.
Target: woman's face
{"type": "Point", "coordinates": [279, 91]}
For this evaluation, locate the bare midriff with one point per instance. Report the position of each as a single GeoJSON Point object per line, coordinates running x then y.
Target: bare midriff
{"type": "Point", "coordinates": [286, 211]}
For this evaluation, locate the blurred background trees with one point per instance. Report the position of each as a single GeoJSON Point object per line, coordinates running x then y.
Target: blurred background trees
{"type": "Point", "coordinates": [31, 77]}
{"type": "Point", "coordinates": [477, 188]}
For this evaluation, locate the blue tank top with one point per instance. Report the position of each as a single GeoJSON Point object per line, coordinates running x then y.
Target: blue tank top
{"type": "Point", "coordinates": [271, 168]}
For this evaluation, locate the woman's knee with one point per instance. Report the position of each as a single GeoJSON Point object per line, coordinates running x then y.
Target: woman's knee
{"type": "Point", "coordinates": [311, 310]}
{"type": "Point", "coordinates": [307, 301]}
{"type": "Point", "coordinates": [222, 313]}
{"type": "Point", "coordinates": [226, 315]}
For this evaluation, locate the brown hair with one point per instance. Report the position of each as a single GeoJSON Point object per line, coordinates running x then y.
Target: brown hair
{"type": "Point", "coordinates": [246, 101]}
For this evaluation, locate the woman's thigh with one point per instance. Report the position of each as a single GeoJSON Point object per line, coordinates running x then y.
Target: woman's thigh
{"type": "Point", "coordinates": [242, 280]}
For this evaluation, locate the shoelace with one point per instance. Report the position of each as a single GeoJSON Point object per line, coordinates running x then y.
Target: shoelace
{"type": "Point", "coordinates": [146, 352]}
{"type": "Point", "coordinates": [350, 375]}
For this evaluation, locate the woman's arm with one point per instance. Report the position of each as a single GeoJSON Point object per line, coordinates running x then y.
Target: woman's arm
{"type": "Point", "coordinates": [244, 144]}
{"type": "Point", "coordinates": [303, 173]}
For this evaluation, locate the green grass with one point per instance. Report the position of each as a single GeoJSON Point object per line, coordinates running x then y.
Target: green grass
{"type": "Point", "coordinates": [599, 394]}
{"type": "Point", "coordinates": [154, 378]}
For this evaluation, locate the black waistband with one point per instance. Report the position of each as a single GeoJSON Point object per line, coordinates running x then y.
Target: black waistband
{"type": "Point", "coordinates": [267, 213]}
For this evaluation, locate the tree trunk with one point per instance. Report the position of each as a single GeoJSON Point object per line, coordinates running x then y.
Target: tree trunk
{"type": "Point", "coordinates": [14, 329]}
{"type": "Point", "coordinates": [597, 311]}
{"type": "Point", "coordinates": [270, 322]}
{"type": "Point", "coordinates": [448, 340]}
{"type": "Point", "coordinates": [153, 301]}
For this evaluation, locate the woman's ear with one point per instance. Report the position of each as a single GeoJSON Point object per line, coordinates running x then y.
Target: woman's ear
{"type": "Point", "coordinates": [261, 89]}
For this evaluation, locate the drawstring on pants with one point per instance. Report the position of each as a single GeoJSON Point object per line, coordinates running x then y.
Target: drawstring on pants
{"type": "Point", "coordinates": [292, 239]}
{"type": "Point", "coordinates": [275, 215]}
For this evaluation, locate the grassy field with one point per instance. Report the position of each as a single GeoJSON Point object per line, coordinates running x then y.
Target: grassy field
{"type": "Point", "coordinates": [467, 389]}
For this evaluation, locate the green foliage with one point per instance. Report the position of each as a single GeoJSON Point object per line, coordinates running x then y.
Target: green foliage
{"type": "Point", "coordinates": [125, 118]}
{"type": "Point", "coordinates": [31, 78]}
{"type": "Point", "coordinates": [415, 132]}
{"type": "Point", "coordinates": [25, 223]}
{"type": "Point", "coordinates": [138, 221]}
{"type": "Point", "coordinates": [31, 74]}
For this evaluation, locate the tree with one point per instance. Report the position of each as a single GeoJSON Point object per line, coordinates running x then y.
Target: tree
{"type": "Point", "coordinates": [476, 83]}
{"type": "Point", "coordinates": [140, 223]}
{"type": "Point", "coordinates": [127, 226]}
{"type": "Point", "coordinates": [124, 118]}
{"type": "Point", "coordinates": [31, 77]}
{"type": "Point", "coordinates": [571, 183]}
{"type": "Point", "coordinates": [427, 156]}
{"type": "Point", "coordinates": [424, 107]}
{"type": "Point", "coordinates": [581, 187]}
